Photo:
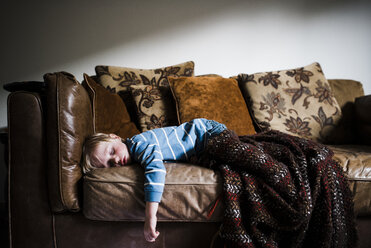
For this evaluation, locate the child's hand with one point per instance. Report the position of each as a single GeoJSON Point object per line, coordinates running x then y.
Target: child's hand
{"type": "Point", "coordinates": [150, 233]}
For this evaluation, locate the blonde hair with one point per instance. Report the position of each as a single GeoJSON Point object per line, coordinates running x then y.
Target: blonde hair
{"type": "Point", "coordinates": [91, 142]}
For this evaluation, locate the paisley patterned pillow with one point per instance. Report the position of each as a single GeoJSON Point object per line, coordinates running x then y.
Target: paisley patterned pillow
{"type": "Point", "coordinates": [155, 106]}
{"type": "Point", "coordinates": [297, 101]}
{"type": "Point", "coordinates": [119, 79]}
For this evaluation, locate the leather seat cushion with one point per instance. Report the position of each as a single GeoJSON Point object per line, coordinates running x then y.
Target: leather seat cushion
{"type": "Point", "coordinates": [116, 194]}
{"type": "Point", "coordinates": [356, 163]}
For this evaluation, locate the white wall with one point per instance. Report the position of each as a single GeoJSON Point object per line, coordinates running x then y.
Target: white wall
{"type": "Point", "coordinates": [224, 37]}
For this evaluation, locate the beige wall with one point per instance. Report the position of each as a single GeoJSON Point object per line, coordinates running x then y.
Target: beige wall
{"type": "Point", "coordinates": [224, 37]}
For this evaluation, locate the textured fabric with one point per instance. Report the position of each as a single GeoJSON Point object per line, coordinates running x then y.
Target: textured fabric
{"type": "Point", "coordinates": [109, 111]}
{"type": "Point", "coordinates": [155, 106]}
{"type": "Point", "coordinates": [214, 98]}
{"type": "Point", "coordinates": [298, 102]}
{"type": "Point", "coordinates": [345, 92]}
{"type": "Point", "coordinates": [119, 79]}
{"type": "Point", "coordinates": [176, 143]}
{"type": "Point", "coordinates": [282, 191]}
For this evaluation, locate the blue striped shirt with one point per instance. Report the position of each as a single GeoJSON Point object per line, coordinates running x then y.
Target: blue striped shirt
{"type": "Point", "coordinates": [175, 143]}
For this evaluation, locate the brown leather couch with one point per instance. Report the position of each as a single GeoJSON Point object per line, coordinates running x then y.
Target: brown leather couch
{"type": "Point", "coordinates": [51, 204]}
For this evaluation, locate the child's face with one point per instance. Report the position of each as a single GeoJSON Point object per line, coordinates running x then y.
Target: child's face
{"type": "Point", "coordinates": [113, 153]}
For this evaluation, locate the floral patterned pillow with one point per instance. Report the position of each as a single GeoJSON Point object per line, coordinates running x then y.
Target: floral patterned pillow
{"type": "Point", "coordinates": [155, 106]}
{"type": "Point", "coordinates": [119, 79]}
{"type": "Point", "coordinates": [298, 101]}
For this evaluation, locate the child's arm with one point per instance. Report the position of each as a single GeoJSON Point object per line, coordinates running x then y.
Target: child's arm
{"type": "Point", "coordinates": [150, 157]}
{"type": "Point", "coordinates": [150, 233]}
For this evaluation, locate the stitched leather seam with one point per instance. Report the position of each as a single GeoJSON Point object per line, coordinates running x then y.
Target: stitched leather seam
{"type": "Point", "coordinates": [59, 141]}
{"type": "Point", "coordinates": [54, 232]}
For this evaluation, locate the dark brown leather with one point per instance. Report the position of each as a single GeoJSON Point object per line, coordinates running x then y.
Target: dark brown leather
{"type": "Point", "coordinates": [363, 106]}
{"type": "Point", "coordinates": [69, 122]}
{"type": "Point", "coordinates": [363, 117]}
{"type": "Point", "coordinates": [117, 193]}
{"type": "Point", "coordinates": [73, 230]}
{"type": "Point", "coordinates": [364, 227]}
{"type": "Point", "coordinates": [30, 218]}
{"type": "Point", "coordinates": [31, 86]}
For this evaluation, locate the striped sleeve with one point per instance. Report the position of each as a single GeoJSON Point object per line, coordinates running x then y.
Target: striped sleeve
{"type": "Point", "coordinates": [150, 157]}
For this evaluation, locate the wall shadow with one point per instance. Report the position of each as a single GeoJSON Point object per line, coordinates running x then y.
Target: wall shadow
{"type": "Point", "coordinates": [37, 35]}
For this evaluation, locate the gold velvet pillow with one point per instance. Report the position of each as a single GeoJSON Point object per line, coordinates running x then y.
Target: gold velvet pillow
{"type": "Point", "coordinates": [109, 111]}
{"type": "Point", "coordinates": [119, 79]}
{"type": "Point", "coordinates": [297, 101]}
{"type": "Point", "coordinates": [214, 98]}
{"type": "Point", "coordinates": [155, 106]}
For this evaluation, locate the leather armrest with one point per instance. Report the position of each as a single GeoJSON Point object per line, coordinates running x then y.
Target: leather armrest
{"type": "Point", "coordinates": [29, 210]}
{"type": "Point", "coordinates": [363, 118]}
{"type": "Point", "coordinates": [30, 86]}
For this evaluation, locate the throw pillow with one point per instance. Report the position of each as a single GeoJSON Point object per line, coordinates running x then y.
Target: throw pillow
{"type": "Point", "coordinates": [119, 79]}
{"type": "Point", "coordinates": [214, 98]}
{"type": "Point", "coordinates": [155, 106]}
{"type": "Point", "coordinates": [109, 111]}
{"type": "Point", "coordinates": [297, 101]}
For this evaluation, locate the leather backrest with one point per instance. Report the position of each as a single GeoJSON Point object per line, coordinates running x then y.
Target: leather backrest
{"type": "Point", "coordinates": [345, 91]}
{"type": "Point", "coordinates": [69, 122]}
{"type": "Point", "coordinates": [363, 119]}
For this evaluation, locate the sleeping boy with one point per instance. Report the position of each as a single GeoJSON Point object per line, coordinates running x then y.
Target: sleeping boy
{"type": "Point", "coordinates": [150, 149]}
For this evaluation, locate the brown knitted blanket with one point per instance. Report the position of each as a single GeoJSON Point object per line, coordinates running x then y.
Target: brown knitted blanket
{"type": "Point", "coordinates": [281, 191]}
